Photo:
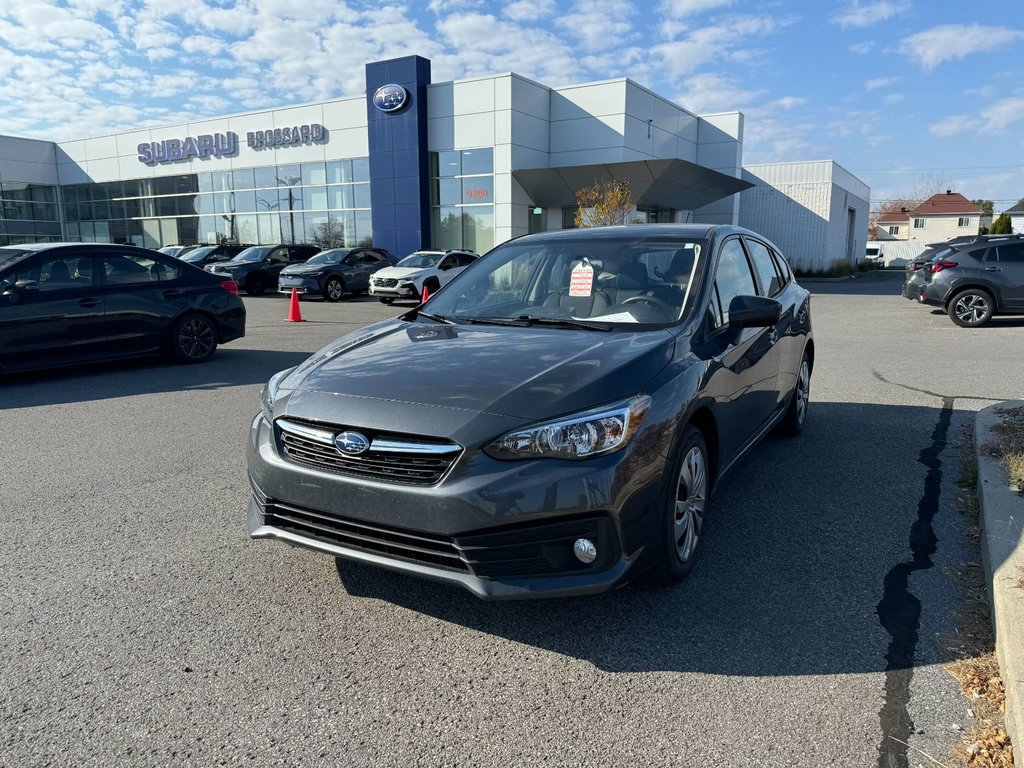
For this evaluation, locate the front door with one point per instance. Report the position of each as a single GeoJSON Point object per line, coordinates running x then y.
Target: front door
{"type": "Point", "coordinates": [57, 318]}
{"type": "Point", "coordinates": [1006, 270]}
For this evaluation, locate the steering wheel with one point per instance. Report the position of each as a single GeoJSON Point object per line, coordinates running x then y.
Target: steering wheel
{"type": "Point", "coordinates": [647, 300]}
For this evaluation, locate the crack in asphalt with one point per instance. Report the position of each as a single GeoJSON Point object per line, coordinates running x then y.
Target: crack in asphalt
{"type": "Point", "coordinates": [899, 611]}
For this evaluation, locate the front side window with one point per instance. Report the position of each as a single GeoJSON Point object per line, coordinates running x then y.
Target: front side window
{"type": "Point", "coordinates": [622, 282]}
{"type": "Point", "coordinates": [771, 283]}
{"type": "Point", "coordinates": [733, 278]}
{"type": "Point", "coordinates": [58, 274]}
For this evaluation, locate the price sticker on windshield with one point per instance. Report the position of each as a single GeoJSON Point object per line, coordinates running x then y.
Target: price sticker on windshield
{"type": "Point", "coordinates": [581, 280]}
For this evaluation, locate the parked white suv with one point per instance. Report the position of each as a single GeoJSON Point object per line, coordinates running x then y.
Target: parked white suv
{"type": "Point", "coordinates": [407, 279]}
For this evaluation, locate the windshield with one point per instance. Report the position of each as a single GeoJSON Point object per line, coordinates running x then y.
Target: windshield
{"type": "Point", "coordinates": [614, 282]}
{"type": "Point", "coordinates": [333, 256]}
{"type": "Point", "coordinates": [11, 255]}
{"type": "Point", "coordinates": [250, 254]}
{"type": "Point", "coordinates": [421, 260]}
{"type": "Point", "coordinates": [197, 254]}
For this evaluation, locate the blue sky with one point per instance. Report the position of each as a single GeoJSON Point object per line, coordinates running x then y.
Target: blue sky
{"type": "Point", "coordinates": [911, 96]}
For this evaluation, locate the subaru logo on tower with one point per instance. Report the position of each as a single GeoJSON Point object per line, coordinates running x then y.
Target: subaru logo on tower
{"type": "Point", "coordinates": [390, 98]}
{"type": "Point", "coordinates": [351, 443]}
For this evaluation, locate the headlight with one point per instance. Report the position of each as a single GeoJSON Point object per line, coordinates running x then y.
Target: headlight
{"type": "Point", "coordinates": [580, 436]}
{"type": "Point", "coordinates": [269, 394]}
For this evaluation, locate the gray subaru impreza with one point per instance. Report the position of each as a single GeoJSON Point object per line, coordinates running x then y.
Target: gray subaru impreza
{"type": "Point", "coordinates": [552, 422]}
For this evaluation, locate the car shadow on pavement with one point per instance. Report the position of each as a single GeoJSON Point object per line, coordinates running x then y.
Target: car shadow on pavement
{"type": "Point", "coordinates": [100, 381]}
{"type": "Point", "coordinates": [797, 572]}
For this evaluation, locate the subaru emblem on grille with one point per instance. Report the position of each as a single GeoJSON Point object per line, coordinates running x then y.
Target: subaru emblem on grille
{"type": "Point", "coordinates": [351, 443]}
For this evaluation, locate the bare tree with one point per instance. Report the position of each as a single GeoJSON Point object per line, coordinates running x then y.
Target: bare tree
{"type": "Point", "coordinates": [329, 234]}
{"type": "Point", "coordinates": [607, 202]}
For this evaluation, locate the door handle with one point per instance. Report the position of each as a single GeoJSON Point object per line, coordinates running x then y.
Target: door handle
{"type": "Point", "coordinates": [993, 269]}
{"type": "Point", "coordinates": [89, 303]}
{"type": "Point", "coordinates": [172, 294]}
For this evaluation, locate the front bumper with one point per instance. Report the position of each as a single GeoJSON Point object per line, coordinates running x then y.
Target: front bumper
{"type": "Point", "coordinates": [302, 285]}
{"type": "Point", "coordinates": [501, 530]}
{"type": "Point", "coordinates": [400, 291]}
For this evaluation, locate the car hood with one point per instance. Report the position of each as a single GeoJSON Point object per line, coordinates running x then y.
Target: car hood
{"type": "Point", "coordinates": [402, 272]}
{"type": "Point", "coordinates": [305, 269]}
{"type": "Point", "coordinates": [522, 373]}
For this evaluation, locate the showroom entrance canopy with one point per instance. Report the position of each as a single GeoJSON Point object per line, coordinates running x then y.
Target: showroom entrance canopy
{"type": "Point", "coordinates": [675, 183]}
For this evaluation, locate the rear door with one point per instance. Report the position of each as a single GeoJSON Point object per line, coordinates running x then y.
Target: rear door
{"type": "Point", "coordinates": [144, 293]}
{"type": "Point", "coordinates": [775, 283]}
{"type": "Point", "coordinates": [61, 320]}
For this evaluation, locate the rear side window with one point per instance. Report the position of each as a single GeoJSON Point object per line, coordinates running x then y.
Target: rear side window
{"type": "Point", "coordinates": [133, 269]}
{"type": "Point", "coordinates": [771, 282]}
{"type": "Point", "coordinates": [783, 266]}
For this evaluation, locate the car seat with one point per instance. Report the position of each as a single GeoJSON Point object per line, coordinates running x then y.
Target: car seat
{"type": "Point", "coordinates": [579, 306]}
{"type": "Point", "coordinates": [631, 281]}
{"type": "Point", "coordinates": [59, 273]}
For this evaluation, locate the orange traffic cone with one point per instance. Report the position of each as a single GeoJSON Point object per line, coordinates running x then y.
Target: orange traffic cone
{"type": "Point", "coordinates": [294, 315]}
{"type": "Point", "coordinates": [426, 295]}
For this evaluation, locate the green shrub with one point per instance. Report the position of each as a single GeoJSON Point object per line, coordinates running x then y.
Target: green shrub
{"type": "Point", "coordinates": [838, 268]}
{"type": "Point", "coordinates": [1001, 226]}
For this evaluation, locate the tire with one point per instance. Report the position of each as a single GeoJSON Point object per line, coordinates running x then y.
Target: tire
{"type": "Point", "coordinates": [971, 308]}
{"type": "Point", "coordinates": [792, 423]}
{"type": "Point", "coordinates": [334, 290]}
{"type": "Point", "coordinates": [684, 508]}
{"type": "Point", "coordinates": [386, 300]}
{"type": "Point", "coordinates": [193, 339]}
{"type": "Point", "coordinates": [255, 285]}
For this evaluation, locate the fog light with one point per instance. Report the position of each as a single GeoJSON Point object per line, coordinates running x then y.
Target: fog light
{"type": "Point", "coordinates": [585, 550]}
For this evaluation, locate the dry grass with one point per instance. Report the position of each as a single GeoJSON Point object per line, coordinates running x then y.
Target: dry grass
{"type": "Point", "coordinates": [971, 651]}
{"type": "Point", "coordinates": [1008, 446]}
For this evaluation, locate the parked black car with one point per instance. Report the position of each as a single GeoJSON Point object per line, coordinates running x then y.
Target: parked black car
{"type": "Point", "coordinates": [551, 422]}
{"type": "Point", "coordinates": [257, 268]}
{"type": "Point", "coordinates": [69, 303]}
{"type": "Point", "coordinates": [334, 272]}
{"type": "Point", "coordinates": [976, 280]}
{"type": "Point", "coordinates": [201, 255]}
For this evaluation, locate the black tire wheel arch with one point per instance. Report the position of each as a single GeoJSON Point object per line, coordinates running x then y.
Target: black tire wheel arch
{"type": "Point", "coordinates": [792, 423]}
{"type": "Point", "coordinates": [193, 338]}
{"type": "Point", "coordinates": [971, 307]}
{"type": "Point", "coordinates": [431, 285]}
{"type": "Point", "coordinates": [679, 501]}
{"type": "Point", "coordinates": [386, 299]}
{"type": "Point", "coordinates": [330, 295]}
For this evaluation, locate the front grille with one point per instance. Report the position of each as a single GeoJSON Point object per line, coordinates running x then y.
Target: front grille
{"type": "Point", "coordinates": [390, 458]}
{"type": "Point", "coordinates": [385, 282]}
{"type": "Point", "coordinates": [354, 534]}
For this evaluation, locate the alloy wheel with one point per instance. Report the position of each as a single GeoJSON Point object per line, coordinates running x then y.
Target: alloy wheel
{"type": "Point", "coordinates": [971, 307]}
{"type": "Point", "coordinates": [803, 391]}
{"type": "Point", "coordinates": [335, 290]}
{"type": "Point", "coordinates": [195, 339]}
{"type": "Point", "coordinates": [691, 496]}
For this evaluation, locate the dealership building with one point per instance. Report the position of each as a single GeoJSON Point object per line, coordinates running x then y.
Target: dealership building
{"type": "Point", "coordinates": [414, 164]}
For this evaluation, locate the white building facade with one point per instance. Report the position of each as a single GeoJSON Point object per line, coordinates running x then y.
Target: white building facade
{"type": "Point", "coordinates": [410, 164]}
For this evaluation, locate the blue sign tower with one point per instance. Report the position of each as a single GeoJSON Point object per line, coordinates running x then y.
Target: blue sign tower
{"type": "Point", "coordinates": [396, 109]}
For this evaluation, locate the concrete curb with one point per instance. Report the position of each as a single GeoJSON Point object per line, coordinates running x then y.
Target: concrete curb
{"type": "Point", "coordinates": [1002, 555]}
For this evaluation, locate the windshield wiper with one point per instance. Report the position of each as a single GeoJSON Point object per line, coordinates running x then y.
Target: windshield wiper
{"type": "Point", "coordinates": [564, 322]}
{"type": "Point", "coordinates": [436, 318]}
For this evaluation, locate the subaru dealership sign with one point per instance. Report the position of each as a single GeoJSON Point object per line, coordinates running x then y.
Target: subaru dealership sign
{"type": "Point", "coordinates": [226, 144]}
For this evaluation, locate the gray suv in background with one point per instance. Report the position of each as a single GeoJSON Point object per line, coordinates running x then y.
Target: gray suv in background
{"type": "Point", "coordinates": [974, 281]}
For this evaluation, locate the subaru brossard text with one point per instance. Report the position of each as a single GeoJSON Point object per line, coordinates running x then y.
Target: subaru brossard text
{"type": "Point", "coordinates": [553, 421]}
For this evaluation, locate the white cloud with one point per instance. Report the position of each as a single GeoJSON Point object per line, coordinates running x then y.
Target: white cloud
{"type": "Point", "coordinates": [947, 42]}
{"type": "Point", "coordinates": [678, 9]}
{"type": "Point", "coordinates": [879, 82]}
{"type": "Point", "coordinates": [787, 102]}
{"type": "Point", "coordinates": [954, 125]}
{"type": "Point", "coordinates": [859, 14]}
{"type": "Point", "coordinates": [862, 49]}
{"type": "Point", "coordinates": [708, 44]}
{"type": "Point", "coordinates": [894, 98]}
{"type": "Point", "coordinates": [599, 24]}
{"type": "Point", "coordinates": [529, 10]}
{"type": "Point", "coordinates": [1003, 114]}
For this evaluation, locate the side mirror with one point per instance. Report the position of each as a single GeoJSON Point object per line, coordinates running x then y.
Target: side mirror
{"type": "Point", "coordinates": [16, 292]}
{"type": "Point", "coordinates": [27, 286]}
{"type": "Point", "coordinates": [753, 312]}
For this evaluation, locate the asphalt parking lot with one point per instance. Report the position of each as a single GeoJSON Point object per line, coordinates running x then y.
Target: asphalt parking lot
{"type": "Point", "coordinates": [141, 626]}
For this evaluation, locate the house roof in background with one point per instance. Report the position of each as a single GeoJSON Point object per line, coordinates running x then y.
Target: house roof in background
{"type": "Point", "coordinates": [945, 205]}
{"type": "Point", "coordinates": [1018, 208]}
{"type": "Point", "coordinates": [895, 216]}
